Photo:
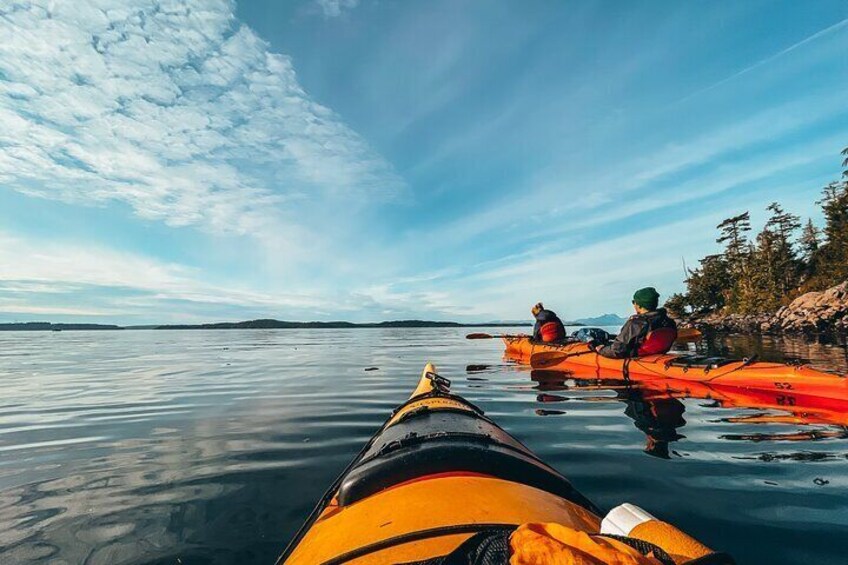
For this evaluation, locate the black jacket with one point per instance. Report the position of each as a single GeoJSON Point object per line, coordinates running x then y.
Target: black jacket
{"type": "Point", "coordinates": [632, 334]}
{"type": "Point", "coordinates": [542, 318]}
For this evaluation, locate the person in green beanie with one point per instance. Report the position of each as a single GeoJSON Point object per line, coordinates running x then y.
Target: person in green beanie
{"type": "Point", "coordinates": [648, 332]}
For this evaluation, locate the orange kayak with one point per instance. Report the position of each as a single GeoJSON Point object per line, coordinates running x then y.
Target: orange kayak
{"type": "Point", "coordinates": [439, 472]}
{"type": "Point", "coordinates": [751, 374]}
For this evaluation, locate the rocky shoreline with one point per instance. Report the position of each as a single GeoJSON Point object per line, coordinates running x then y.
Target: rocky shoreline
{"type": "Point", "coordinates": [824, 312]}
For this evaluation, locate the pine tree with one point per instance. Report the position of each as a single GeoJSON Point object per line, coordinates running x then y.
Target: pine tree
{"type": "Point", "coordinates": [707, 285]}
{"type": "Point", "coordinates": [677, 304]}
{"type": "Point", "coordinates": [733, 235]}
{"type": "Point", "coordinates": [809, 242]}
{"type": "Point", "coordinates": [833, 255]}
{"type": "Point", "coordinates": [758, 276]}
{"type": "Point", "coordinates": [783, 265]}
{"type": "Point", "coordinates": [845, 162]}
{"type": "Point", "coordinates": [737, 257]}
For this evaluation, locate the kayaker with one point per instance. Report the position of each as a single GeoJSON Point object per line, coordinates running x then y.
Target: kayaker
{"type": "Point", "coordinates": [548, 328]}
{"type": "Point", "coordinates": [648, 332]}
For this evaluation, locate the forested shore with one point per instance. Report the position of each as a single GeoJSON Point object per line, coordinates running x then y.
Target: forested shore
{"type": "Point", "coordinates": [789, 277]}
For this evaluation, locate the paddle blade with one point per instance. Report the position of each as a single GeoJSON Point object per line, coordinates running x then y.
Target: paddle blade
{"type": "Point", "coordinates": [689, 334]}
{"type": "Point", "coordinates": [547, 359]}
{"type": "Point", "coordinates": [480, 336]}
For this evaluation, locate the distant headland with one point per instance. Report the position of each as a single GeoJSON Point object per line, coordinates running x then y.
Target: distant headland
{"type": "Point", "coordinates": [265, 324]}
{"type": "Point", "coordinates": [254, 324]}
{"type": "Point", "coordinates": [48, 326]}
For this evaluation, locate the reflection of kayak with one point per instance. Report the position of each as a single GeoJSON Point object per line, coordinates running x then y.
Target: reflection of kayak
{"type": "Point", "coordinates": [439, 474]}
{"type": "Point", "coordinates": [796, 409]}
{"type": "Point", "coordinates": [785, 379]}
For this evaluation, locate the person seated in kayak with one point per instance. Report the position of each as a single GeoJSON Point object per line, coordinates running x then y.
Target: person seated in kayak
{"type": "Point", "coordinates": [548, 328]}
{"type": "Point", "coordinates": [648, 332]}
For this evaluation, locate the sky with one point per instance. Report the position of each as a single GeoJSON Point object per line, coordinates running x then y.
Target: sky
{"type": "Point", "coordinates": [187, 161]}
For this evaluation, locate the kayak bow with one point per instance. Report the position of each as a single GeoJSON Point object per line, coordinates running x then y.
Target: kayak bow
{"type": "Point", "coordinates": [437, 473]}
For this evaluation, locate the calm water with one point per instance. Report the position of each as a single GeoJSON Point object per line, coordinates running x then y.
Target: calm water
{"type": "Point", "coordinates": [212, 446]}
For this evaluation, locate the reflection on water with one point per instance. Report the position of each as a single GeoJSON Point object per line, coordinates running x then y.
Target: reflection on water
{"type": "Point", "coordinates": [826, 353]}
{"type": "Point", "coordinates": [212, 447]}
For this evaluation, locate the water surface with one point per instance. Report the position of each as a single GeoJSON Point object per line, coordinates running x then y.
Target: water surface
{"type": "Point", "coordinates": [212, 446]}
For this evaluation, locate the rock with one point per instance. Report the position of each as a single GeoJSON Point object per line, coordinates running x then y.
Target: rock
{"type": "Point", "coordinates": [813, 312]}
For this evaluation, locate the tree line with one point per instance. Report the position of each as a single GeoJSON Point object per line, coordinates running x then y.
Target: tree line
{"type": "Point", "coordinates": [784, 260]}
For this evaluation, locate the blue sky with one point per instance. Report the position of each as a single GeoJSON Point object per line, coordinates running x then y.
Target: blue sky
{"type": "Point", "coordinates": [202, 160]}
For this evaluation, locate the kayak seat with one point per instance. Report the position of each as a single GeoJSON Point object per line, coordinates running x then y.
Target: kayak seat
{"type": "Point", "coordinates": [444, 441]}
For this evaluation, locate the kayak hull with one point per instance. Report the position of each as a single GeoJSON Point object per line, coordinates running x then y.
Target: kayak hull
{"type": "Point", "coordinates": [436, 473]}
{"type": "Point", "coordinates": [788, 380]}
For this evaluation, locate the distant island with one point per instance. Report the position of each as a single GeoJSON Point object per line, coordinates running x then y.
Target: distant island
{"type": "Point", "coordinates": [48, 326]}
{"type": "Point", "coordinates": [606, 320]}
{"type": "Point", "coordinates": [279, 324]}
{"type": "Point", "coordinates": [252, 324]}
{"type": "Point", "coordinates": [269, 323]}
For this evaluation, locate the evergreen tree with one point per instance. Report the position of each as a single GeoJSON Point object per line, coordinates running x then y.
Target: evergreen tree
{"type": "Point", "coordinates": [733, 235]}
{"type": "Point", "coordinates": [809, 241]}
{"type": "Point", "coordinates": [759, 276]}
{"type": "Point", "coordinates": [708, 284]}
{"type": "Point", "coordinates": [737, 256]}
{"type": "Point", "coordinates": [833, 253]}
{"type": "Point", "coordinates": [809, 248]}
{"type": "Point", "coordinates": [676, 305]}
{"type": "Point", "coordinates": [845, 162]}
{"type": "Point", "coordinates": [782, 264]}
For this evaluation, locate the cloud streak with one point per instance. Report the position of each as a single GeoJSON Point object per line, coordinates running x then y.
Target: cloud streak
{"type": "Point", "coordinates": [771, 58]}
{"type": "Point", "coordinates": [335, 8]}
{"type": "Point", "coordinates": [43, 278]}
{"type": "Point", "coordinates": [55, 272]}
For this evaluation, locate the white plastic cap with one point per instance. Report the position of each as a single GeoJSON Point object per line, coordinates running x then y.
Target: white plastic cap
{"type": "Point", "coordinates": [621, 520]}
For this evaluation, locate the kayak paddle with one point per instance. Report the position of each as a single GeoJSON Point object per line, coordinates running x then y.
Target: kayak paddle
{"type": "Point", "coordinates": [545, 359]}
{"type": "Point", "coordinates": [689, 334]}
{"type": "Point", "coordinates": [488, 336]}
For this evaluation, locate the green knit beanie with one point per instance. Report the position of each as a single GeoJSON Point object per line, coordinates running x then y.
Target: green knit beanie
{"type": "Point", "coordinates": [647, 297]}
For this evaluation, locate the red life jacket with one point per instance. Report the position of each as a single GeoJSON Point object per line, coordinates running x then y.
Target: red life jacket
{"type": "Point", "coordinates": [657, 341]}
{"type": "Point", "coordinates": [551, 331]}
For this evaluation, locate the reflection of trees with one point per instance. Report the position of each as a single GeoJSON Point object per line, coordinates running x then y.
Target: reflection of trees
{"type": "Point", "coordinates": [824, 352]}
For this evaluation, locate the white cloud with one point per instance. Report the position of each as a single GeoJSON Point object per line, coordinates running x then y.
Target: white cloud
{"type": "Point", "coordinates": [43, 278]}
{"type": "Point", "coordinates": [175, 109]}
{"type": "Point", "coordinates": [31, 270]}
{"type": "Point", "coordinates": [334, 8]}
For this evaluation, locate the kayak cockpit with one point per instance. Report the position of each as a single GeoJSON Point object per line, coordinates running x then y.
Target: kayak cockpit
{"type": "Point", "coordinates": [447, 440]}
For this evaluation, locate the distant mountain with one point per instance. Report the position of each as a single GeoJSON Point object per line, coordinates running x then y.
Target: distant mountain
{"type": "Point", "coordinates": [604, 320]}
